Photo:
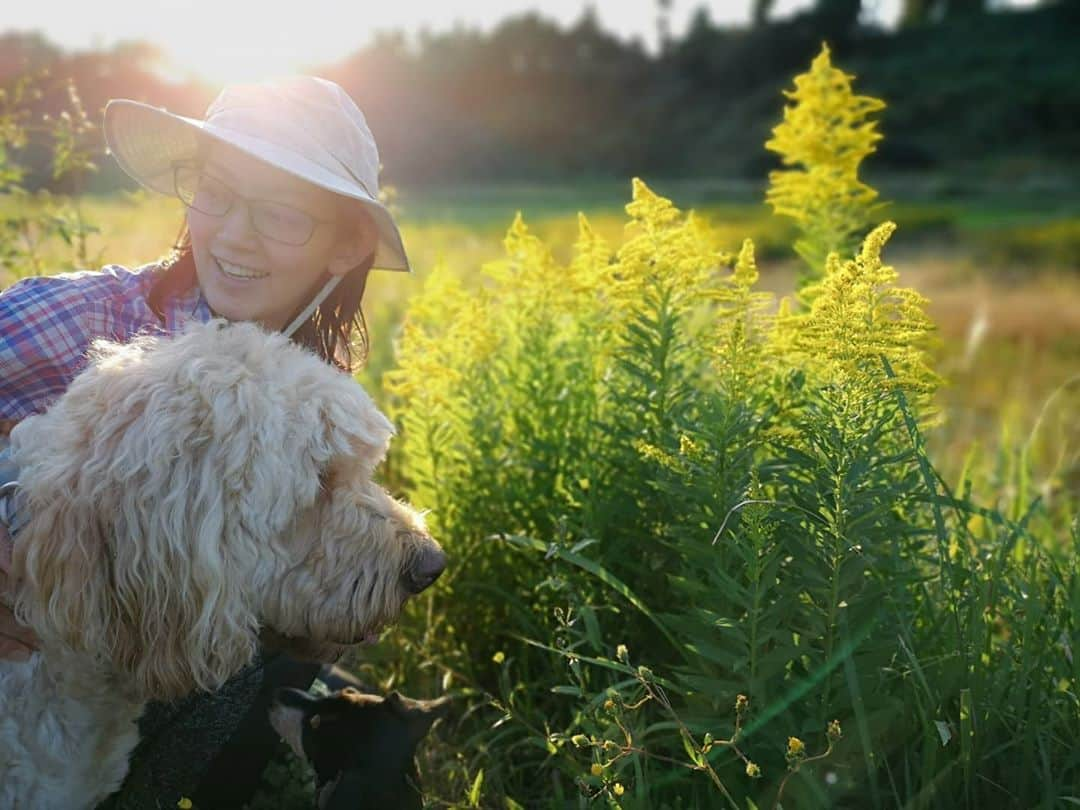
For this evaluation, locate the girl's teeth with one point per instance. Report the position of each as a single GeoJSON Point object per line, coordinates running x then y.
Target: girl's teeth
{"type": "Point", "coordinates": [235, 271]}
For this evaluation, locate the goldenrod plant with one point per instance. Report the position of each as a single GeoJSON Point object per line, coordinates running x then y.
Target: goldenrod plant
{"type": "Point", "coordinates": [826, 133]}
{"type": "Point", "coordinates": [638, 449]}
{"type": "Point", "coordinates": [860, 318]}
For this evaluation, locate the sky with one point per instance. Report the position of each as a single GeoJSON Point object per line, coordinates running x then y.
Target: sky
{"type": "Point", "coordinates": [223, 41]}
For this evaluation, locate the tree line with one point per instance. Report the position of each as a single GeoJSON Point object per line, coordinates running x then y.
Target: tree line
{"type": "Point", "coordinates": [533, 100]}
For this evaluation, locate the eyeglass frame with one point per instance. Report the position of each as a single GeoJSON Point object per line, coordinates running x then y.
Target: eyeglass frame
{"type": "Point", "coordinates": [247, 201]}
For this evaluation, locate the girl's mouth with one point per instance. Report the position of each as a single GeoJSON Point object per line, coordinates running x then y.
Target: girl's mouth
{"type": "Point", "coordinates": [238, 272]}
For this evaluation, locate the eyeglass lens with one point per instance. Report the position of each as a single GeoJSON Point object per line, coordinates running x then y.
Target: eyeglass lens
{"type": "Point", "coordinates": [210, 196]}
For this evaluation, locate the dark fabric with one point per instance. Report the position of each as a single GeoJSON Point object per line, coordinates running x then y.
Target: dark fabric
{"type": "Point", "coordinates": [179, 740]}
{"type": "Point", "coordinates": [234, 774]}
{"type": "Point", "coordinates": [211, 748]}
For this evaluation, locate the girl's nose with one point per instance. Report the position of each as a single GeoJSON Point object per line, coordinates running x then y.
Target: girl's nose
{"type": "Point", "coordinates": [237, 225]}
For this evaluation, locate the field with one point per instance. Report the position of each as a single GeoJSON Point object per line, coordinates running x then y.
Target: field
{"type": "Point", "coordinates": [1001, 273]}
{"type": "Point", "coordinates": [607, 663]}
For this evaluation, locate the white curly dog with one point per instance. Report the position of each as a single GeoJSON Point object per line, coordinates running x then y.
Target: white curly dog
{"type": "Point", "coordinates": [184, 494]}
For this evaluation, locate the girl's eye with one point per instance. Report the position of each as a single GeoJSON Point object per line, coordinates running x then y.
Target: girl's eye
{"type": "Point", "coordinates": [282, 215]}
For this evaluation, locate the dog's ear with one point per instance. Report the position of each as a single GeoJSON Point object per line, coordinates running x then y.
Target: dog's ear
{"type": "Point", "coordinates": [419, 715]}
{"type": "Point", "coordinates": [133, 553]}
{"type": "Point", "coordinates": [147, 587]}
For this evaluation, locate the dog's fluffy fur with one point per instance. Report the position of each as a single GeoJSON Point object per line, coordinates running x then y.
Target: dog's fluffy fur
{"type": "Point", "coordinates": [183, 494]}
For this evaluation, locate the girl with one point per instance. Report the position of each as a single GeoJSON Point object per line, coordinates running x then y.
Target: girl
{"type": "Point", "coordinates": [283, 226]}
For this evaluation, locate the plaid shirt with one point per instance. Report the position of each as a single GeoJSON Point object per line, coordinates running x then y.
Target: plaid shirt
{"type": "Point", "coordinates": [48, 322]}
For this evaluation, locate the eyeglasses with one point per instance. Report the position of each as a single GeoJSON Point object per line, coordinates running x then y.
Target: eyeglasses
{"type": "Point", "coordinates": [208, 195]}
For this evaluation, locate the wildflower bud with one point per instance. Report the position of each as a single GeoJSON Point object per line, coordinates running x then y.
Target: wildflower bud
{"type": "Point", "coordinates": [644, 673]}
{"type": "Point", "coordinates": [609, 705]}
{"type": "Point", "coordinates": [833, 731]}
{"type": "Point", "coordinates": [742, 703]}
{"type": "Point", "coordinates": [796, 750]}
{"type": "Point", "coordinates": [618, 789]}
{"type": "Point", "coordinates": [597, 769]}
{"type": "Point", "coordinates": [610, 745]}
{"type": "Point", "coordinates": [752, 770]}
{"type": "Point", "coordinates": [580, 740]}
{"type": "Point", "coordinates": [499, 657]}
{"type": "Point", "coordinates": [622, 653]}
{"type": "Point", "coordinates": [184, 803]}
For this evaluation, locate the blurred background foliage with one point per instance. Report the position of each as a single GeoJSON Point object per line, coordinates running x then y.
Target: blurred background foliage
{"type": "Point", "coordinates": [989, 91]}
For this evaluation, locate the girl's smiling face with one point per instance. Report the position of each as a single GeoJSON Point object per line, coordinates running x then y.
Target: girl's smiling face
{"type": "Point", "coordinates": [248, 276]}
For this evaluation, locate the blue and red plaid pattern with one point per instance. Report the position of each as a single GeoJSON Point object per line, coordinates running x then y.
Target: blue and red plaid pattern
{"type": "Point", "coordinates": [48, 322]}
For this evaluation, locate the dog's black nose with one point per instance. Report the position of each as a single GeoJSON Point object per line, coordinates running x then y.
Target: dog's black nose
{"type": "Point", "coordinates": [425, 569]}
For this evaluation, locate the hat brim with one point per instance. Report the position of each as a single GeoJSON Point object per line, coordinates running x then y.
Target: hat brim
{"type": "Point", "coordinates": [147, 142]}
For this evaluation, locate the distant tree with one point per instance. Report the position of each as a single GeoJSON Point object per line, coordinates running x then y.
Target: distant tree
{"type": "Point", "coordinates": [24, 52]}
{"type": "Point", "coordinates": [962, 8]}
{"type": "Point", "coordinates": [920, 12]}
{"type": "Point", "coordinates": [914, 13]}
{"type": "Point", "coordinates": [760, 10]}
{"type": "Point", "coordinates": [589, 21]}
{"type": "Point", "coordinates": [663, 24]}
{"type": "Point", "coordinates": [700, 24]}
{"type": "Point", "coordinates": [837, 18]}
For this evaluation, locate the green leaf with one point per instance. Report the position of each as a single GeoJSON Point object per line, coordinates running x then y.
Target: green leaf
{"type": "Point", "coordinates": [474, 791]}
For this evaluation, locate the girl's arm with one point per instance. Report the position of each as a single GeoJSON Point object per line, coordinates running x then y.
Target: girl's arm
{"type": "Point", "coordinates": [43, 340]}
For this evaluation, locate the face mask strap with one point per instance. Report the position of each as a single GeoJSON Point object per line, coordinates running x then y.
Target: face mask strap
{"type": "Point", "coordinates": [321, 296]}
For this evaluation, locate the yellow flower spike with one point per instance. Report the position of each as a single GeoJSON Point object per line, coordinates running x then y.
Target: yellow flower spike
{"type": "Point", "coordinates": [618, 789]}
{"type": "Point", "coordinates": [592, 256]}
{"type": "Point", "coordinates": [687, 446]}
{"type": "Point", "coordinates": [826, 133]}
{"type": "Point", "coordinates": [752, 770]}
{"type": "Point", "coordinates": [650, 208]}
{"type": "Point", "coordinates": [746, 272]}
{"type": "Point", "coordinates": [596, 769]}
{"type": "Point", "coordinates": [860, 315]}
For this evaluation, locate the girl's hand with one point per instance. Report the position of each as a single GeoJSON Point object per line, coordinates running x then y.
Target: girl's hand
{"type": "Point", "coordinates": [16, 641]}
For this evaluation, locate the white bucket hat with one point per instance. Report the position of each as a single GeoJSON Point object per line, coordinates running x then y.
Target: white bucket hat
{"type": "Point", "coordinates": [307, 126]}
